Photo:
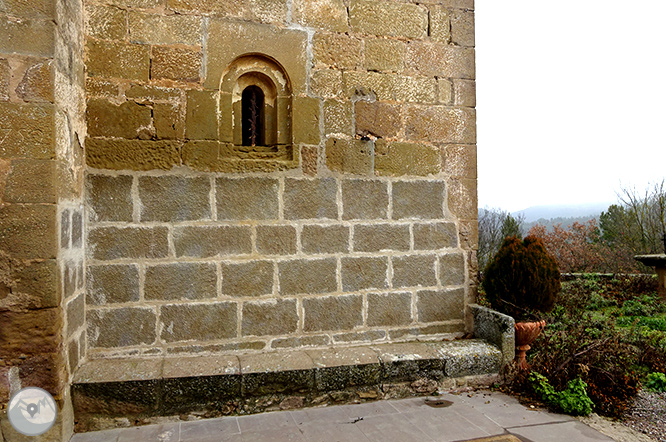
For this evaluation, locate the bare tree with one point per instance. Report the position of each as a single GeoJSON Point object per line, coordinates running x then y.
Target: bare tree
{"type": "Point", "coordinates": [494, 226]}
{"type": "Point", "coordinates": [648, 213]}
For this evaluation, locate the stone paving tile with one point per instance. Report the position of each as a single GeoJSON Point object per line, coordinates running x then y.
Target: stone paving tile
{"type": "Point", "coordinates": [388, 429]}
{"type": "Point", "coordinates": [162, 433]}
{"type": "Point", "coordinates": [286, 434]}
{"type": "Point", "coordinates": [446, 426]}
{"type": "Point", "coordinates": [208, 429]}
{"type": "Point", "coordinates": [266, 421]}
{"type": "Point", "coordinates": [97, 436]}
{"type": "Point", "coordinates": [320, 432]}
{"type": "Point", "coordinates": [332, 414]}
{"type": "Point", "coordinates": [560, 432]}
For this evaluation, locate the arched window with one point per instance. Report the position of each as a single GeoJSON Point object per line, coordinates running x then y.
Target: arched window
{"type": "Point", "coordinates": [252, 116]}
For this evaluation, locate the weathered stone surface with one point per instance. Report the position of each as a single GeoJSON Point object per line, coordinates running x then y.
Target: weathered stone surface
{"type": "Point", "coordinates": [102, 87]}
{"type": "Point", "coordinates": [252, 278]}
{"type": "Point", "coordinates": [109, 284]}
{"type": "Point", "coordinates": [462, 27]}
{"type": "Point", "coordinates": [246, 198]}
{"type": "Point", "coordinates": [440, 60]}
{"type": "Point", "coordinates": [37, 82]}
{"type": "Point", "coordinates": [462, 198]}
{"type": "Point", "coordinates": [106, 243]}
{"type": "Point", "coordinates": [174, 198]}
{"type": "Point", "coordinates": [37, 284]}
{"type": "Point", "coordinates": [201, 322]}
{"type": "Point", "coordinates": [276, 240]}
{"type": "Point", "coordinates": [143, 4]}
{"type": "Point", "coordinates": [325, 239]}
{"type": "Point", "coordinates": [389, 309]}
{"type": "Point", "coordinates": [265, 11]}
{"type": "Point", "coordinates": [349, 156]}
{"type": "Point", "coordinates": [151, 93]}
{"type": "Point", "coordinates": [407, 159]}
{"type": "Point", "coordinates": [117, 59]}
{"type": "Point", "coordinates": [109, 198]}
{"type": "Point", "coordinates": [128, 120]}
{"type": "Point", "coordinates": [460, 160]}
{"type": "Point", "coordinates": [31, 181]}
{"type": "Point", "coordinates": [165, 29]}
{"type": "Point", "coordinates": [445, 89]}
{"type": "Point", "coordinates": [5, 73]}
{"type": "Point", "coordinates": [75, 311]}
{"type": "Point", "coordinates": [452, 269]}
{"type": "Point", "coordinates": [183, 280]}
{"type": "Point", "coordinates": [310, 198]}
{"type": "Point", "coordinates": [364, 273]}
{"type": "Point", "coordinates": [464, 92]}
{"type": "Point", "coordinates": [380, 237]}
{"type": "Point", "coordinates": [368, 336]}
{"type": "Point", "coordinates": [342, 368]}
{"type": "Point", "coordinates": [326, 83]}
{"type": "Point", "coordinates": [29, 8]}
{"type": "Point", "coordinates": [337, 117]}
{"type": "Point", "coordinates": [65, 229]}
{"type": "Point", "coordinates": [414, 332]}
{"type": "Point", "coordinates": [28, 231]}
{"type": "Point", "coordinates": [306, 114]}
{"type": "Point", "coordinates": [176, 63]}
{"type": "Point", "coordinates": [337, 50]}
{"type": "Point", "coordinates": [106, 22]}
{"type": "Point", "coordinates": [367, 85]}
{"type": "Point", "coordinates": [77, 229]}
{"type": "Point", "coordinates": [388, 18]}
{"type": "Point", "coordinates": [168, 121]}
{"type": "Point", "coordinates": [121, 154]}
{"type": "Point", "coordinates": [471, 357]}
{"type": "Point", "coordinates": [201, 118]}
{"type": "Point", "coordinates": [414, 270]}
{"type": "Point", "coordinates": [440, 26]}
{"type": "Point", "coordinates": [495, 328]}
{"type": "Point", "coordinates": [333, 313]}
{"type": "Point", "coordinates": [435, 236]}
{"type": "Point", "coordinates": [274, 317]}
{"type": "Point", "coordinates": [373, 204]}
{"type": "Point", "coordinates": [328, 15]}
{"type": "Point", "coordinates": [413, 89]}
{"type": "Point", "coordinates": [207, 241]}
{"type": "Point", "coordinates": [384, 55]}
{"type": "Point", "coordinates": [303, 341]}
{"type": "Point", "coordinates": [30, 37]}
{"type": "Point", "coordinates": [309, 160]}
{"type": "Point", "coordinates": [418, 199]}
{"type": "Point", "coordinates": [120, 327]}
{"type": "Point", "coordinates": [27, 130]}
{"type": "Point", "coordinates": [307, 276]}
{"type": "Point", "coordinates": [440, 305]}
{"type": "Point", "coordinates": [381, 120]}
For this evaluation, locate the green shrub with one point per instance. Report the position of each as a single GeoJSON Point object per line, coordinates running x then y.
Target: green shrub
{"type": "Point", "coordinates": [656, 382]}
{"type": "Point", "coordinates": [522, 278]}
{"type": "Point", "coordinates": [572, 400]}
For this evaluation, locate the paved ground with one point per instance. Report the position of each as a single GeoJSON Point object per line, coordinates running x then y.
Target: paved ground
{"type": "Point", "coordinates": [468, 416]}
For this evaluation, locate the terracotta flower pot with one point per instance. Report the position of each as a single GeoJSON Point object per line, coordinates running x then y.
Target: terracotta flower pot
{"type": "Point", "coordinates": [526, 333]}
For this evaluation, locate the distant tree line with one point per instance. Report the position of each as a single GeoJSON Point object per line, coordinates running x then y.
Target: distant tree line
{"type": "Point", "coordinates": [634, 226]}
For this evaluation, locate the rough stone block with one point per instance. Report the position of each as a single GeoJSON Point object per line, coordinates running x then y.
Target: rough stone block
{"type": "Point", "coordinates": [269, 318]}
{"type": "Point", "coordinates": [165, 29]}
{"type": "Point", "coordinates": [300, 342]}
{"type": "Point", "coordinates": [306, 113]}
{"type": "Point", "coordinates": [341, 368]}
{"type": "Point", "coordinates": [399, 159]}
{"type": "Point", "coordinates": [276, 240]}
{"type": "Point", "coordinates": [441, 124]}
{"type": "Point", "coordinates": [106, 22]}
{"type": "Point", "coordinates": [373, 204]}
{"type": "Point", "coordinates": [128, 120]}
{"type": "Point", "coordinates": [384, 55]}
{"type": "Point", "coordinates": [110, 284]}
{"type": "Point", "coordinates": [117, 59]}
{"type": "Point", "coordinates": [168, 121]}
{"type": "Point", "coordinates": [175, 63]}
{"type": "Point", "coordinates": [464, 92]}
{"type": "Point", "coordinates": [380, 237]}
{"type": "Point", "coordinates": [77, 229]}
{"type": "Point", "coordinates": [28, 37]}
{"type": "Point", "coordinates": [379, 119]}
{"type": "Point", "coordinates": [414, 270]}
{"type": "Point", "coordinates": [445, 89]}
{"type": "Point", "coordinates": [310, 198]}
{"type": "Point", "coordinates": [326, 83]}
{"type": "Point", "coordinates": [65, 229]}
{"type": "Point", "coordinates": [31, 181]}
{"type": "Point", "coordinates": [106, 243]}
{"type": "Point", "coordinates": [150, 93]}
{"type": "Point", "coordinates": [141, 4]}
{"type": "Point", "coordinates": [367, 86]}
{"type": "Point", "coordinates": [75, 311]}
{"type": "Point", "coordinates": [339, 51]}
{"type": "Point", "coordinates": [367, 336]}
{"type": "Point", "coordinates": [183, 280]}
{"type": "Point", "coordinates": [207, 241]}
{"type": "Point", "coordinates": [28, 231]}
{"type": "Point", "coordinates": [452, 269]}
{"type": "Point", "coordinates": [460, 160]}
{"type": "Point", "coordinates": [337, 117]}
{"type": "Point", "coordinates": [413, 89]}
{"type": "Point", "coordinates": [309, 160]}
{"type": "Point", "coordinates": [246, 198]}
{"type": "Point", "coordinates": [462, 27]}
{"type": "Point", "coordinates": [97, 86]}
{"type": "Point", "coordinates": [333, 313]}
{"type": "Point", "coordinates": [201, 322]}
{"type": "Point", "coordinates": [29, 8]}
{"type": "Point", "coordinates": [174, 198]}
{"type": "Point", "coordinates": [27, 130]}
{"type": "Point", "coordinates": [434, 59]}
{"type": "Point", "coordinates": [418, 199]}
{"type": "Point", "coordinates": [389, 309]}
{"type": "Point", "coordinates": [307, 276]}
{"type": "Point", "coordinates": [201, 118]}
{"type": "Point", "coordinates": [435, 236]}
{"type": "Point", "coordinates": [349, 156]}
{"type": "Point", "coordinates": [440, 305]}
{"type": "Point", "coordinates": [121, 154]}
{"type": "Point", "coordinates": [364, 273]}
{"type": "Point", "coordinates": [440, 25]}
{"type": "Point", "coordinates": [388, 18]}
{"type": "Point", "coordinates": [109, 198]}
{"type": "Point", "coordinates": [325, 239]}
{"type": "Point", "coordinates": [462, 198]}
{"type": "Point", "coordinates": [37, 283]}
{"type": "Point", "coordinates": [37, 83]}
{"type": "Point", "coordinates": [120, 327]}
{"type": "Point", "coordinates": [5, 74]}
{"type": "Point", "coordinates": [252, 278]}
{"type": "Point", "coordinates": [328, 15]}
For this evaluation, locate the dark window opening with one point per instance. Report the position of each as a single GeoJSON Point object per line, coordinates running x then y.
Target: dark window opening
{"type": "Point", "coordinates": [252, 114]}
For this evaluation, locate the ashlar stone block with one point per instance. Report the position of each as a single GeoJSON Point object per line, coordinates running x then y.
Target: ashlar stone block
{"type": "Point", "coordinates": [269, 318]}
{"type": "Point", "coordinates": [328, 15]}
{"type": "Point", "coordinates": [389, 309]}
{"type": "Point", "coordinates": [28, 231]}
{"type": "Point", "coordinates": [310, 198]}
{"type": "Point", "coordinates": [372, 205]}
{"type": "Point", "coordinates": [381, 237]}
{"type": "Point", "coordinates": [201, 322]}
{"type": "Point", "coordinates": [398, 159]}
{"type": "Point", "coordinates": [326, 83]}
{"type": "Point", "coordinates": [414, 270]}
{"type": "Point", "coordinates": [464, 92]}
{"type": "Point", "coordinates": [176, 63]}
{"type": "Point", "coordinates": [388, 18]}
{"type": "Point", "coordinates": [181, 280]}
{"type": "Point", "coordinates": [245, 279]}
{"type": "Point", "coordinates": [29, 37]}
{"type": "Point", "coordinates": [459, 160]}
{"type": "Point", "coordinates": [246, 198]}
{"type": "Point", "coordinates": [119, 154]}
{"type": "Point", "coordinates": [317, 239]}
{"type": "Point", "coordinates": [306, 116]}
{"type": "Point", "coordinates": [37, 83]}
{"type": "Point", "coordinates": [337, 117]}
{"type": "Point", "coordinates": [5, 73]}
{"type": "Point", "coordinates": [107, 243]}
{"type": "Point", "coordinates": [128, 120]}
{"type": "Point", "coordinates": [382, 120]}
{"type": "Point", "coordinates": [75, 312]}
{"type": "Point", "coordinates": [418, 199]}
{"type": "Point", "coordinates": [361, 273]}
{"type": "Point", "coordinates": [27, 131]}
{"type": "Point", "coordinates": [435, 236]}
{"type": "Point", "coordinates": [165, 29]}
{"type": "Point", "coordinates": [440, 305]}
{"type": "Point", "coordinates": [31, 181]}
{"type": "Point", "coordinates": [440, 124]}
{"type": "Point", "coordinates": [168, 121]}
{"type": "Point", "coordinates": [349, 156]}
{"type": "Point", "coordinates": [452, 269]}
{"type": "Point", "coordinates": [462, 27]}
{"type": "Point", "coordinates": [110, 284]}
{"type": "Point", "coordinates": [384, 55]}
{"type": "Point", "coordinates": [276, 240]}
{"type": "Point", "coordinates": [106, 22]}
{"type": "Point", "coordinates": [307, 276]}
{"type": "Point", "coordinates": [120, 327]}
{"type": "Point", "coordinates": [338, 51]}
{"type": "Point", "coordinates": [333, 313]}
{"type": "Point", "coordinates": [201, 118]}
{"type": "Point", "coordinates": [440, 25]}
{"type": "Point", "coordinates": [117, 59]}
{"type": "Point", "coordinates": [440, 60]}
{"type": "Point", "coordinates": [174, 198]}
{"type": "Point", "coordinates": [207, 241]}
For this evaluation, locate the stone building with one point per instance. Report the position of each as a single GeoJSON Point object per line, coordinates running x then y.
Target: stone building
{"type": "Point", "coordinates": [216, 180]}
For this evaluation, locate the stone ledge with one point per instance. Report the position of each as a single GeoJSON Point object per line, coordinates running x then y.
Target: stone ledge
{"type": "Point", "coordinates": [140, 389]}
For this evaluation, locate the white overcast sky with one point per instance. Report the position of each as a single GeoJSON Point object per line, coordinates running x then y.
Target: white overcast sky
{"type": "Point", "coordinates": [571, 98]}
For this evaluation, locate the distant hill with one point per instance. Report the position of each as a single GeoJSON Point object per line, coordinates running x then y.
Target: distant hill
{"type": "Point", "coordinates": [587, 211]}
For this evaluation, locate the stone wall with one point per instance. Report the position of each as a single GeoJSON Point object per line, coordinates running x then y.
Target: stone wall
{"type": "Point", "coordinates": [356, 223]}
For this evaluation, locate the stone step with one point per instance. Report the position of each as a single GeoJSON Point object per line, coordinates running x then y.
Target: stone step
{"type": "Point", "coordinates": [119, 392]}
